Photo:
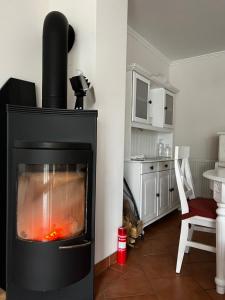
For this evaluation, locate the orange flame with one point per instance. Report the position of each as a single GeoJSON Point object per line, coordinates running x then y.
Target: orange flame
{"type": "Point", "coordinates": [54, 234]}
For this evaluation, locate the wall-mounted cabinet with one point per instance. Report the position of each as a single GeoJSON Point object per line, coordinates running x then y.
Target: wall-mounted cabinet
{"type": "Point", "coordinates": [163, 108]}
{"type": "Point", "coordinates": [141, 103]}
{"type": "Point", "coordinates": [143, 111]}
{"type": "Point", "coordinates": [149, 102]}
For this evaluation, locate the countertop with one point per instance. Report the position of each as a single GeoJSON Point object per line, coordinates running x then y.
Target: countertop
{"type": "Point", "coordinates": [217, 174]}
{"type": "Point", "coordinates": [150, 159]}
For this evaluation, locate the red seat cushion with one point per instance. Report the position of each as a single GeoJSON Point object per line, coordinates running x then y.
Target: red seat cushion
{"type": "Point", "coordinates": [202, 207]}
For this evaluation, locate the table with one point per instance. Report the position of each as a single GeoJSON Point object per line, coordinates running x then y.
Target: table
{"type": "Point", "coordinates": [218, 177]}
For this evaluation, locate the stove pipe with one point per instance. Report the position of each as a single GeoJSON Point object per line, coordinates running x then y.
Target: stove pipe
{"type": "Point", "coordinates": [58, 39]}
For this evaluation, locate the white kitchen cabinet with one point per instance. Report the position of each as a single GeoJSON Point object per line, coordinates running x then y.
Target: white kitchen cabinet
{"type": "Point", "coordinates": [174, 196]}
{"type": "Point", "coordinates": [149, 197]}
{"type": "Point", "coordinates": [162, 108]}
{"type": "Point", "coordinates": [139, 107]}
{"type": "Point", "coordinates": [163, 191]}
{"type": "Point", "coordinates": [153, 187]}
{"type": "Point", "coordinates": [141, 103]}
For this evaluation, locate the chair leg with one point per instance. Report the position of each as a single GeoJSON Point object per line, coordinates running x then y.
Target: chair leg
{"type": "Point", "coordinates": [182, 244]}
{"type": "Point", "coordinates": [190, 233]}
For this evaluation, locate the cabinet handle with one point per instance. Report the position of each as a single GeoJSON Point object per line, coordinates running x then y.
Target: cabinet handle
{"type": "Point", "coordinates": [171, 190]}
{"type": "Point", "coordinates": [166, 166]}
{"type": "Point", "coordinates": [150, 101]}
{"type": "Point", "coordinates": [165, 107]}
{"type": "Point", "coordinates": [152, 168]}
{"type": "Point", "coordinates": [158, 194]}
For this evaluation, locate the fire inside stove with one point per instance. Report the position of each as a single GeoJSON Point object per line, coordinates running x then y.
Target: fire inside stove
{"type": "Point", "coordinates": [51, 202]}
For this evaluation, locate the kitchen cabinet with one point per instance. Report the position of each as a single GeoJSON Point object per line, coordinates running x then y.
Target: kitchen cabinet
{"type": "Point", "coordinates": [139, 106]}
{"type": "Point", "coordinates": [141, 103]}
{"type": "Point", "coordinates": [149, 197]}
{"type": "Point", "coordinates": [163, 108]}
{"type": "Point", "coordinates": [153, 186]}
{"type": "Point", "coordinates": [163, 191]}
{"type": "Point", "coordinates": [174, 195]}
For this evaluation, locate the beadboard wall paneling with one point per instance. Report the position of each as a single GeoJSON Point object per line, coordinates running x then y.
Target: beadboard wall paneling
{"type": "Point", "coordinates": [143, 142]}
{"type": "Point", "coordinates": [201, 184]}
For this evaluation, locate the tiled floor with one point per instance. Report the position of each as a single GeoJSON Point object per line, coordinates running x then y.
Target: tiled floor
{"type": "Point", "coordinates": [150, 270]}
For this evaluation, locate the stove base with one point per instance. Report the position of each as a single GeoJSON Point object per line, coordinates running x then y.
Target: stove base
{"type": "Point", "coordinates": [82, 290]}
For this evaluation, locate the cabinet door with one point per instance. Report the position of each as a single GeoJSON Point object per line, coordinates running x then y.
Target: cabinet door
{"type": "Point", "coordinates": [174, 195]}
{"type": "Point", "coordinates": [149, 199]}
{"type": "Point", "coordinates": [163, 192]}
{"type": "Point", "coordinates": [141, 105]}
{"type": "Point", "coordinates": [169, 104]}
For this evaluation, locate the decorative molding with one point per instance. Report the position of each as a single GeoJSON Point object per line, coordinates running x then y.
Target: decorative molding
{"type": "Point", "coordinates": [148, 45]}
{"type": "Point", "coordinates": [157, 80]}
{"type": "Point", "coordinates": [195, 58]}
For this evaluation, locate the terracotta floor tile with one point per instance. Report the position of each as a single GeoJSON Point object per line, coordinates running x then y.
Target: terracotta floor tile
{"type": "Point", "coordinates": [195, 255]}
{"type": "Point", "coordinates": [214, 296]}
{"type": "Point", "coordinates": [143, 297]}
{"type": "Point", "coordinates": [204, 274]}
{"type": "Point", "coordinates": [205, 237]}
{"type": "Point", "coordinates": [149, 247]}
{"type": "Point", "coordinates": [120, 268]}
{"type": "Point", "coordinates": [104, 280]}
{"type": "Point", "coordinates": [99, 297]}
{"type": "Point", "coordinates": [132, 283]}
{"type": "Point", "coordinates": [133, 257]}
{"type": "Point", "coordinates": [150, 269]}
{"type": "Point", "coordinates": [157, 266]}
{"type": "Point", "coordinates": [178, 288]}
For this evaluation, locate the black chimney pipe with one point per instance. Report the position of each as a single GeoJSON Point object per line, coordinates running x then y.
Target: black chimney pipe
{"type": "Point", "coordinates": [58, 38]}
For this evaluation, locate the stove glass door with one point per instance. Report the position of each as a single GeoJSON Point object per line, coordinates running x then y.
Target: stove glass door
{"type": "Point", "coordinates": [51, 201]}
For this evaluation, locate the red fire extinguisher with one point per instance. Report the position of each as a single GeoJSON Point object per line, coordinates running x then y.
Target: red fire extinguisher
{"type": "Point", "coordinates": [122, 246]}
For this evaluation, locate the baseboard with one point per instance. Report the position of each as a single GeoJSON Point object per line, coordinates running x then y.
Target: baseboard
{"type": "Point", "coordinates": [105, 264]}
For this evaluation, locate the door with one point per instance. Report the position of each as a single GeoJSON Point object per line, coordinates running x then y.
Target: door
{"type": "Point", "coordinates": [141, 109]}
{"type": "Point", "coordinates": [174, 195]}
{"type": "Point", "coordinates": [149, 199]}
{"type": "Point", "coordinates": [163, 192]}
{"type": "Point", "coordinates": [169, 104]}
{"type": "Point", "coordinates": [50, 212]}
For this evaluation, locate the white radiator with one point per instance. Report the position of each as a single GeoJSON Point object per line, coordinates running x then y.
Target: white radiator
{"type": "Point", "coordinates": [201, 184]}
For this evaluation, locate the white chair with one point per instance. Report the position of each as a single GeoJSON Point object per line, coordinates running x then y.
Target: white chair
{"type": "Point", "coordinates": [197, 213]}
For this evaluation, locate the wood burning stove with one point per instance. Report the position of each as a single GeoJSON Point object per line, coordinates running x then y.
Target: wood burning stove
{"type": "Point", "coordinates": [48, 159]}
{"type": "Point", "coordinates": [47, 186]}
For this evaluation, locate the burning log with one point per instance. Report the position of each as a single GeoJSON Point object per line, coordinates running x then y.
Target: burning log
{"type": "Point", "coordinates": [51, 206]}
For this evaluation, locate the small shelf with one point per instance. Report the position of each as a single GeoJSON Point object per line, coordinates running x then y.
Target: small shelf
{"type": "Point", "coordinates": [150, 127]}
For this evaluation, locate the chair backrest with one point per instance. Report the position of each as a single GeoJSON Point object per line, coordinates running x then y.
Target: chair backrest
{"type": "Point", "coordinates": [183, 176]}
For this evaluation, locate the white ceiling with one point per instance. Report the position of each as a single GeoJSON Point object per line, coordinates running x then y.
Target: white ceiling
{"type": "Point", "coordinates": [180, 28]}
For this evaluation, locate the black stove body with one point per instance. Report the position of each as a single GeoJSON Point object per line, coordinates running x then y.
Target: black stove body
{"type": "Point", "coordinates": [47, 186]}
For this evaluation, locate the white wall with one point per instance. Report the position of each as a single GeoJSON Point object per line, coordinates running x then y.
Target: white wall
{"type": "Point", "coordinates": [141, 52]}
{"type": "Point", "coordinates": [21, 39]}
{"type": "Point", "coordinates": [110, 102]}
{"type": "Point", "coordinates": [100, 52]}
{"type": "Point", "coordinates": [82, 17]}
{"type": "Point", "coordinates": [200, 105]}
